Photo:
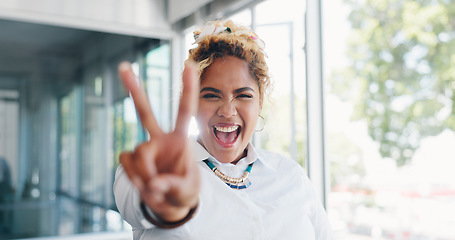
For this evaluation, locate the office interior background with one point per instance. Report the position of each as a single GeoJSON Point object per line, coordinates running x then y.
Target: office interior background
{"type": "Point", "coordinates": [364, 100]}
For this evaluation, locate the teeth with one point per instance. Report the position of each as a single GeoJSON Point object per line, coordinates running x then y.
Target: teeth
{"type": "Point", "coordinates": [226, 129]}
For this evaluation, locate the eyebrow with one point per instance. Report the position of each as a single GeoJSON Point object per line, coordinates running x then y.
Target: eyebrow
{"type": "Point", "coordinates": [210, 89]}
{"type": "Point", "coordinates": [244, 89]}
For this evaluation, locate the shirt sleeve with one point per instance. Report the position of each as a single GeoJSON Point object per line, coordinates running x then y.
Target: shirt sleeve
{"type": "Point", "coordinates": [127, 200]}
{"type": "Point", "coordinates": [318, 215]}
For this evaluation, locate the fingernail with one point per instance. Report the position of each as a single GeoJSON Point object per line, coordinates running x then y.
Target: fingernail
{"type": "Point", "coordinates": [124, 66]}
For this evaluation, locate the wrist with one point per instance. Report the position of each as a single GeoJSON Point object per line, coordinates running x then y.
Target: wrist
{"type": "Point", "coordinates": [173, 220]}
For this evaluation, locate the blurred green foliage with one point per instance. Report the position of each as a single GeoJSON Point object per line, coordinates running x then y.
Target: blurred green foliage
{"type": "Point", "coordinates": [401, 73]}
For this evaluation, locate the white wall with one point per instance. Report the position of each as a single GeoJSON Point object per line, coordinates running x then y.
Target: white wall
{"type": "Point", "coordinates": [179, 9]}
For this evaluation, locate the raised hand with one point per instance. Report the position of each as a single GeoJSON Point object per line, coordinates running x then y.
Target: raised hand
{"type": "Point", "coordinates": [162, 169]}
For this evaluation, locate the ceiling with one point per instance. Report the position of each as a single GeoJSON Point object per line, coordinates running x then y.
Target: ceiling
{"type": "Point", "coordinates": [32, 36]}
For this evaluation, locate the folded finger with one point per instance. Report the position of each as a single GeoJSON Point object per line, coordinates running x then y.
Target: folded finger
{"type": "Point", "coordinates": [177, 188]}
{"type": "Point", "coordinates": [144, 161]}
{"type": "Point", "coordinates": [127, 161]}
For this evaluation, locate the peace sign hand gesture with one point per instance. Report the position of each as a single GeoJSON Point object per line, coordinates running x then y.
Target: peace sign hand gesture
{"type": "Point", "coordinates": [162, 169]}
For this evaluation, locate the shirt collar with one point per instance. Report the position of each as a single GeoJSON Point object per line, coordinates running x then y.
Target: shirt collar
{"type": "Point", "coordinates": [200, 154]}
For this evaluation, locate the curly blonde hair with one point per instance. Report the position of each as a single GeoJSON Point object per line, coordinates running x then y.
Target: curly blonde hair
{"type": "Point", "coordinates": [227, 43]}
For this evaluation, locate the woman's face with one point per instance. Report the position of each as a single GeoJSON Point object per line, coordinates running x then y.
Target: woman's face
{"type": "Point", "coordinates": [228, 110]}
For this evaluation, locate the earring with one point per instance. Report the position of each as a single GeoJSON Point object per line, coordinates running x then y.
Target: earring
{"type": "Point", "coordinates": [263, 125]}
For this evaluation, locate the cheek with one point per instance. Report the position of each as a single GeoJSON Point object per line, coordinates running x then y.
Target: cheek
{"type": "Point", "coordinates": [252, 121]}
{"type": "Point", "coordinates": [250, 116]}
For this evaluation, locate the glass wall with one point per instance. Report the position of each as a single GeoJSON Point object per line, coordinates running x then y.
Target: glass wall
{"type": "Point", "coordinates": [390, 118]}
{"type": "Point", "coordinates": [88, 121]}
{"type": "Point", "coordinates": [64, 119]}
{"type": "Point", "coordinates": [158, 84]}
{"type": "Point", "coordinates": [9, 154]}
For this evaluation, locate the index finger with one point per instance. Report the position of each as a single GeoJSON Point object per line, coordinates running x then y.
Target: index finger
{"type": "Point", "coordinates": [189, 98]}
{"type": "Point", "coordinates": [140, 99]}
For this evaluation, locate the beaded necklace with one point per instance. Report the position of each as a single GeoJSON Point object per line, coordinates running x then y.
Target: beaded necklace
{"type": "Point", "coordinates": [235, 183]}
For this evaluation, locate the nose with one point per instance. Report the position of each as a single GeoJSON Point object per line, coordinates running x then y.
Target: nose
{"type": "Point", "coordinates": [227, 110]}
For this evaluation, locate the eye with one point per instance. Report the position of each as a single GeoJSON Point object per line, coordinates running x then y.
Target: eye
{"type": "Point", "coordinates": [210, 96]}
{"type": "Point", "coordinates": [244, 96]}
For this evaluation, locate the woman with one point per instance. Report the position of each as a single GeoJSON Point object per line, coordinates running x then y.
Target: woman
{"type": "Point", "coordinates": [220, 186]}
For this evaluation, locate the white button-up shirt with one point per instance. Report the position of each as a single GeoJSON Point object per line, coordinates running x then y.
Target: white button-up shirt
{"type": "Point", "coordinates": [280, 203]}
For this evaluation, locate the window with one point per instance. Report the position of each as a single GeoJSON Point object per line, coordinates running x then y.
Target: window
{"type": "Point", "coordinates": [390, 118]}
{"type": "Point", "coordinates": [284, 38]}
{"type": "Point", "coordinates": [158, 84]}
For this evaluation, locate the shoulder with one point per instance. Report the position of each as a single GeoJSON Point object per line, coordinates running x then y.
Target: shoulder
{"type": "Point", "coordinates": [278, 162]}
{"type": "Point", "coordinates": [279, 170]}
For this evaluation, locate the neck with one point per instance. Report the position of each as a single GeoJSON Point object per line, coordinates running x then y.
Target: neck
{"type": "Point", "coordinates": [245, 153]}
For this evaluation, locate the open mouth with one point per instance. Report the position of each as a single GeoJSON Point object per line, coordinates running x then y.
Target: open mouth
{"type": "Point", "coordinates": [227, 135]}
